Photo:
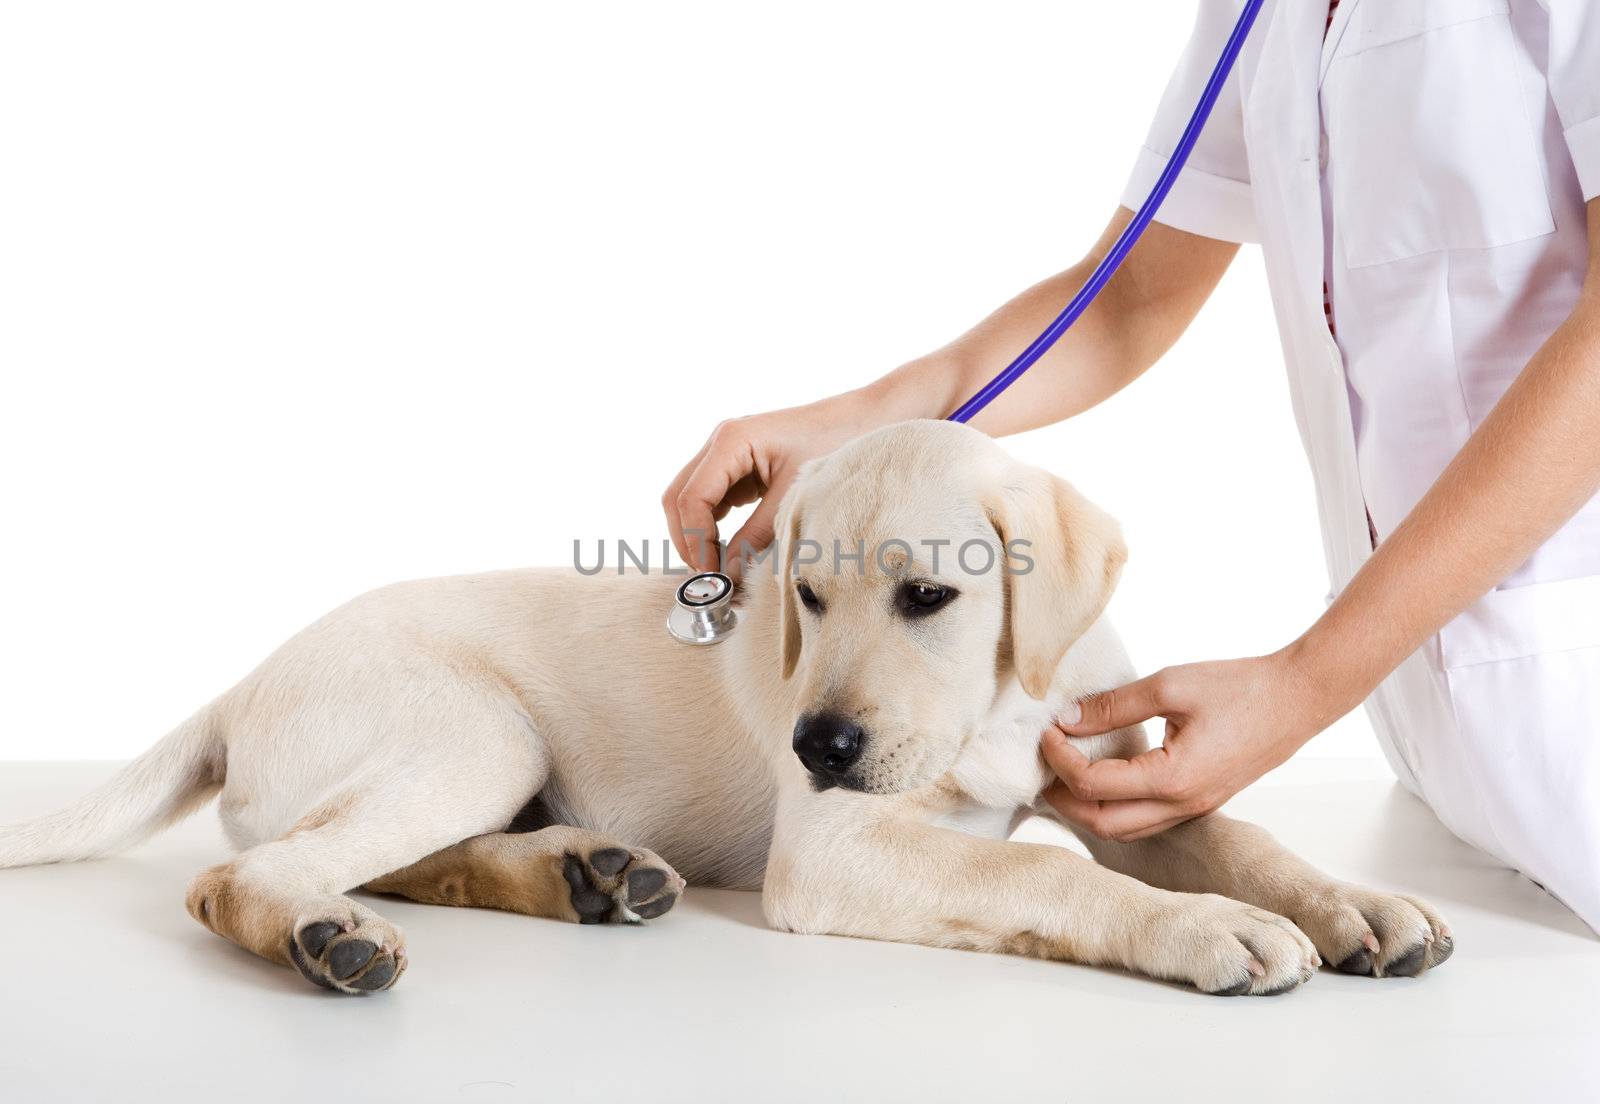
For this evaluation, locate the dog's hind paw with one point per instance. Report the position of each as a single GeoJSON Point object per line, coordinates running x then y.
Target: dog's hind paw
{"type": "Point", "coordinates": [619, 884]}
{"type": "Point", "coordinates": [358, 952]}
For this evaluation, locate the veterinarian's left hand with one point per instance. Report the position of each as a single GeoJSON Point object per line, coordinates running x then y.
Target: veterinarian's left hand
{"type": "Point", "coordinates": [1228, 723]}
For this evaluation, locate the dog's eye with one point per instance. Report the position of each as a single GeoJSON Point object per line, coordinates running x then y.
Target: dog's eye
{"type": "Point", "coordinates": [808, 597]}
{"type": "Point", "coordinates": [921, 599]}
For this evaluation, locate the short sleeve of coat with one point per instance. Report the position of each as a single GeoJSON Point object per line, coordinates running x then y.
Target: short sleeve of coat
{"type": "Point", "coordinates": [1573, 73]}
{"type": "Point", "coordinates": [1211, 196]}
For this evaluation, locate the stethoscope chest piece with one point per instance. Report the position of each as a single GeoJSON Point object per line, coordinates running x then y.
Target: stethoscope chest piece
{"type": "Point", "coordinates": [703, 612]}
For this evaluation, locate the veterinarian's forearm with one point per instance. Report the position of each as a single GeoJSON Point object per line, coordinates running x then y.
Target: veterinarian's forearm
{"type": "Point", "coordinates": [1143, 310]}
{"type": "Point", "coordinates": [1150, 301]}
{"type": "Point", "coordinates": [1529, 467]}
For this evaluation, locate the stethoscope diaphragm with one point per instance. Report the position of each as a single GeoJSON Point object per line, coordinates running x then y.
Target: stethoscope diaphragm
{"type": "Point", "coordinates": [702, 610]}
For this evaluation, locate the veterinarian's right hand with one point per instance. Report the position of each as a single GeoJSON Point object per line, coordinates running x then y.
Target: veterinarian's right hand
{"type": "Point", "coordinates": [757, 457]}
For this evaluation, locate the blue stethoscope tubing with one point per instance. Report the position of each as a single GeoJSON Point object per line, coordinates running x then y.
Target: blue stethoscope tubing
{"type": "Point", "coordinates": [1130, 235]}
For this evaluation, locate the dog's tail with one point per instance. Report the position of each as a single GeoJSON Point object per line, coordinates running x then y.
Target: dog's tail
{"type": "Point", "coordinates": [166, 783]}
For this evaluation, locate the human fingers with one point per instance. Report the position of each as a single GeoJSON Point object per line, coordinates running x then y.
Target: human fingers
{"type": "Point", "coordinates": [1151, 774]}
{"type": "Point", "coordinates": [728, 459]}
{"type": "Point", "coordinates": [669, 504]}
{"type": "Point", "coordinates": [756, 533]}
{"type": "Point", "coordinates": [1122, 821]}
{"type": "Point", "coordinates": [1119, 707]}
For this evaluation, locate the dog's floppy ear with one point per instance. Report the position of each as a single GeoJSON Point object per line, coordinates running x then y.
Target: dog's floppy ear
{"type": "Point", "coordinates": [788, 532]}
{"type": "Point", "coordinates": [1062, 556]}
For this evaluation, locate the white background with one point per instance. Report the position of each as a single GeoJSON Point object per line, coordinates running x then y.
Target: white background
{"type": "Point", "coordinates": [302, 298]}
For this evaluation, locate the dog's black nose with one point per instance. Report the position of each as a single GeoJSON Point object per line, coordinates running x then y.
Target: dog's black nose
{"type": "Point", "coordinates": [827, 744]}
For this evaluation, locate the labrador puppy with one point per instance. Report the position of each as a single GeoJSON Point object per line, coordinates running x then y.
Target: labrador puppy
{"type": "Point", "coordinates": [860, 749]}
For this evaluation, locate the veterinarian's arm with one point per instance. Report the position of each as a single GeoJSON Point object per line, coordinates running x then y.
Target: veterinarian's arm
{"type": "Point", "coordinates": [1146, 306]}
{"type": "Point", "coordinates": [1527, 469]}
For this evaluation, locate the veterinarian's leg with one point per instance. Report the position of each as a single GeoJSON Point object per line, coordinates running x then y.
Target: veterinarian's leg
{"type": "Point", "coordinates": [837, 872]}
{"type": "Point", "coordinates": [1357, 930]}
{"type": "Point", "coordinates": [559, 872]}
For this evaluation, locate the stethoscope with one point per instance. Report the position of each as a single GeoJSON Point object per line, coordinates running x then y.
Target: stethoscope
{"type": "Point", "coordinates": [704, 614]}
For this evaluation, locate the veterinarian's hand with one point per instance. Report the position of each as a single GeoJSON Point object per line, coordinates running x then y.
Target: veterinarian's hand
{"type": "Point", "coordinates": [752, 458]}
{"type": "Point", "coordinates": [1228, 724]}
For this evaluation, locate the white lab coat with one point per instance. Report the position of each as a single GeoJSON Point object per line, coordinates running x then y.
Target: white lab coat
{"type": "Point", "coordinates": [1428, 161]}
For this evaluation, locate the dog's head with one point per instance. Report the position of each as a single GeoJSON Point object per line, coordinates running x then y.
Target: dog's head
{"type": "Point", "coordinates": [921, 569]}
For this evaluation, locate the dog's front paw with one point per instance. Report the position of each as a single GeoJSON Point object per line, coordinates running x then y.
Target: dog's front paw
{"type": "Point", "coordinates": [352, 950]}
{"type": "Point", "coordinates": [1362, 931]}
{"type": "Point", "coordinates": [619, 884]}
{"type": "Point", "coordinates": [1228, 948]}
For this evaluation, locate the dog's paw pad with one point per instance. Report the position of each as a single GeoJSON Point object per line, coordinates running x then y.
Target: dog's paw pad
{"type": "Point", "coordinates": [1410, 964]}
{"type": "Point", "coordinates": [652, 888]}
{"type": "Point", "coordinates": [348, 957]}
{"type": "Point", "coordinates": [315, 937]}
{"type": "Point", "coordinates": [591, 905]}
{"type": "Point", "coordinates": [609, 861]}
{"type": "Point", "coordinates": [362, 955]}
{"type": "Point", "coordinates": [380, 977]}
{"type": "Point", "coordinates": [659, 907]}
{"type": "Point", "coordinates": [1358, 963]}
{"type": "Point", "coordinates": [644, 882]}
{"type": "Point", "coordinates": [1237, 989]}
{"type": "Point", "coordinates": [617, 884]}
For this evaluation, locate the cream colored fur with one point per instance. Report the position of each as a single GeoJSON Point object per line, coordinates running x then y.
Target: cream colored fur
{"type": "Point", "coordinates": [392, 742]}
